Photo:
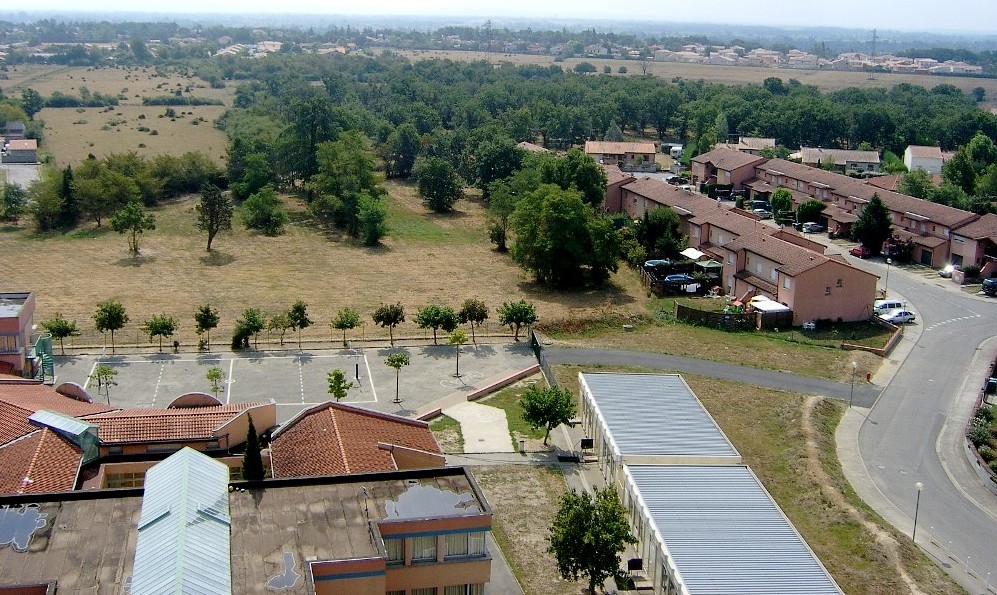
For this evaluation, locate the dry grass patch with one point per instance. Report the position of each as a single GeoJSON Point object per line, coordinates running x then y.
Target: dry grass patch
{"type": "Point", "coordinates": [524, 499]}
{"type": "Point", "coordinates": [797, 463]}
{"type": "Point", "coordinates": [71, 273]}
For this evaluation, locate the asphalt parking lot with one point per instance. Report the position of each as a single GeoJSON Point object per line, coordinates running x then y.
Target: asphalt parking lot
{"type": "Point", "coordinates": [298, 379]}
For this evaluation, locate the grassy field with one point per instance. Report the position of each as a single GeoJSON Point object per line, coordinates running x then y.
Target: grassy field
{"type": "Point", "coordinates": [433, 259]}
{"type": "Point", "coordinates": [71, 134]}
{"type": "Point", "coordinates": [794, 457]}
{"type": "Point", "coordinates": [777, 351]}
{"type": "Point", "coordinates": [826, 80]}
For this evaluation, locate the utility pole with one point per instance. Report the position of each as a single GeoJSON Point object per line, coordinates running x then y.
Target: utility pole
{"type": "Point", "coordinates": [874, 37]}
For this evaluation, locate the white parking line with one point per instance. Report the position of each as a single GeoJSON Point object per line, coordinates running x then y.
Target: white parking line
{"type": "Point", "coordinates": [373, 390]}
{"type": "Point", "coordinates": [301, 380]}
{"type": "Point", "coordinates": [159, 381]}
{"type": "Point", "coordinates": [228, 389]}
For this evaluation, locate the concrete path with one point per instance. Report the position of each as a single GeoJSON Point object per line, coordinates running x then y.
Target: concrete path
{"type": "Point", "coordinates": [485, 428]}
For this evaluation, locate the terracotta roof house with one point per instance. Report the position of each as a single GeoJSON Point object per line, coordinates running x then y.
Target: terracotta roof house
{"type": "Point", "coordinates": [927, 158]}
{"type": "Point", "coordinates": [615, 180]}
{"type": "Point", "coordinates": [812, 285]}
{"type": "Point", "coordinates": [626, 156]}
{"type": "Point", "coordinates": [17, 310]}
{"type": "Point", "coordinates": [976, 242]}
{"type": "Point", "coordinates": [842, 159]}
{"type": "Point", "coordinates": [749, 144]}
{"type": "Point", "coordinates": [724, 167]}
{"type": "Point", "coordinates": [192, 530]}
{"type": "Point", "coordinates": [39, 462]}
{"type": "Point", "coordinates": [335, 438]}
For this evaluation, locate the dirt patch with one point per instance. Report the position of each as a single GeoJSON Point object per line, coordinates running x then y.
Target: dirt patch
{"type": "Point", "coordinates": [524, 499]}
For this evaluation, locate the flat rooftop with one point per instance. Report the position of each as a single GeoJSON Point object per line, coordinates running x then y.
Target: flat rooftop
{"type": "Point", "coordinates": [11, 304]}
{"type": "Point", "coordinates": [655, 415]}
{"type": "Point", "coordinates": [86, 540]}
{"type": "Point", "coordinates": [725, 534]}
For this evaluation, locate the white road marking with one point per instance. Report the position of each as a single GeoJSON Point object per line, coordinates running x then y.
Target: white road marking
{"type": "Point", "coordinates": [301, 379]}
{"type": "Point", "coordinates": [228, 389]}
{"type": "Point", "coordinates": [159, 381]}
{"type": "Point", "coordinates": [372, 389]}
{"type": "Point", "coordinates": [959, 319]}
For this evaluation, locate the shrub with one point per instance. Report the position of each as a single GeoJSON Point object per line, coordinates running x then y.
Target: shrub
{"type": "Point", "coordinates": [987, 453]}
{"type": "Point", "coordinates": [971, 271]}
{"type": "Point", "coordinates": [985, 413]}
{"type": "Point", "coordinates": [979, 433]}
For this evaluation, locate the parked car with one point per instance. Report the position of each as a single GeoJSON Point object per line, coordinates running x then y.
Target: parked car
{"type": "Point", "coordinates": [947, 271]}
{"type": "Point", "coordinates": [898, 316]}
{"type": "Point", "coordinates": [990, 287]}
{"type": "Point", "coordinates": [812, 228]}
{"type": "Point", "coordinates": [860, 251]}
{"type": "Point", "coordinates": [762, 213]}
{"type": "Point", "coordinates": [679, 278]}
{"type": "Point", "coordinates": [883, 306]}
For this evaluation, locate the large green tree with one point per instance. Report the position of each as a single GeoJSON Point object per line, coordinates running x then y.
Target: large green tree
{"type": "Point", "coordinates": [560, 240]}
{"type": "Point", "coordinates": [782, 205]}
{"type": "Point", "coordinates": [516, 315]}
{"type": "Point", "coordinates": [109, 317]}
{"type": "Point", "coordinates": [474, 313]}
{"type": "Point", "coordinates": [874, 225]}
{"type": "Point", "coordinates": [205, 319]}
{"type": "Point", "coordinates": [346, 171]}
{"type": "Point", "coordinates": [60, 329]}
{"type": "Point", "coordinates": [390, 316]}
{"type": "Point", "coordinates": [437, 317]}
{"type": "Point", "coordinates": [809, 211]}
{"type": "Point", "coordinates": [345, 319]}
{"type": "Point", "coordinates": [588, 535]}
{"type": "Point", "coordinates": [915, 183]}
{"type": "Point", "coordinates": [252, 459]}
{"type": "Point", "coordinates": [659, 233]}
{"type": "Point", "coordinates": [547, 408]}
{"type": "Point", "coordinates": [298, 316]}
{"type": "Point", "coordinates": [160, 325]}
{"type": "Point", "coordinates": [214, 212]}
{"type": "Point", "coordinates": [401, 150]}
{"type": "Point", "coordinates": [265, 212]}
{"type": "Point", "coordinates": [438, 183]}
{"type": "Point", "coordinates": [133, 220]}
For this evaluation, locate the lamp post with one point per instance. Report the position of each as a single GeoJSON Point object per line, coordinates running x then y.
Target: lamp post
{"type": "Point", "coordinates": [886, 287]}
{"type": "Point", "coordinates": [851, 391]}
{"type": "Point", "coordinates": [917, 506]}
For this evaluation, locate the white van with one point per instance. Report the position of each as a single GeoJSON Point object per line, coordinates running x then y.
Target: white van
{"type": "Point", "coordinates": [881, 306]}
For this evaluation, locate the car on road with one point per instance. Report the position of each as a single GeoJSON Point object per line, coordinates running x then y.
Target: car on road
{"type": "Point", "coordinates": [679, 278]}
{"type": "Point", "coordinates": [860, 251]}
{"type": "Point", "coordinates": [762, 213]}
{"type": "Point", "coordinates": [812, 228]}
{"type": "Point", "coordinates": [990, 287]}
{"type": "Point", "coordinates": [947, 271]}
{"type": "Point", "coordinates": [897, 316]}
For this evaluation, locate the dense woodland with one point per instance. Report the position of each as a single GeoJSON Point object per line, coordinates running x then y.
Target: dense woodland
{"type": "Point", "coordinates": [329, 128]}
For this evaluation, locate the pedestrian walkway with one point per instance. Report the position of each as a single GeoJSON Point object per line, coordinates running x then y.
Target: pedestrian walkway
{"type": "Point", "coordinates": [485, 429]}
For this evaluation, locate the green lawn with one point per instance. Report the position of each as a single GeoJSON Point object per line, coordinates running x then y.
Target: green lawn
{"type": "Point", "coordinates": [507, 399]}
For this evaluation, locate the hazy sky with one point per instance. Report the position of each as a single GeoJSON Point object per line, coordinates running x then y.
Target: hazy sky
{"type": "Point", "coordinates": [926, 15]}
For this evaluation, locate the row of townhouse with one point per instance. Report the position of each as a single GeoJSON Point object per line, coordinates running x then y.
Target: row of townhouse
{"type": "Point", "coordinates": [759, 259]}
{"type": "Point", "coordinates": [940, 234]}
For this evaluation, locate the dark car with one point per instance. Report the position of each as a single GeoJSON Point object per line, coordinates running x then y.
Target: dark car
{"type": "Point", "coordinates": [990, 287]}
{"type": "Point", "coordinates": [859, 251]}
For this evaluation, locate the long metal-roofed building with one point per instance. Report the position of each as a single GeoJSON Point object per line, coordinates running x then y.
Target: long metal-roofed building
{"type": "Point", "coordinates": [704, 523]}
{"type": "Point", "coordinates": [647, 419]}
{"type": "Point", "coordinates": [716, 530]}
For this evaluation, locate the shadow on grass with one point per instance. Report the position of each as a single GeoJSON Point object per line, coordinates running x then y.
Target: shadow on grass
{"type": "Point", "coordinates": [217, 259]}
{"type": "Point", "coordinates": [135, 261]}
{"type": "Point", "coordinates": [610, 293]}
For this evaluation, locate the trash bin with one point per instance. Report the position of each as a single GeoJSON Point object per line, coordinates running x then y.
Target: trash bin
{"type": "Point", "coordinates": [522, 446]}
{"type": "Point", "coordinates": [991, 386]}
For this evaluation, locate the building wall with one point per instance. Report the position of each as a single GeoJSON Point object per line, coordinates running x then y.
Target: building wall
{"type": "Point", "coordinates": [817, 294]}
{"type": "Point", "coordinates": [966, 251]}
{"type": "Point", "coordinates": [17, 330]}
{"type": "Point", "coordinates": [442, 571]}
{"type": "Point", "coordinates": [366, 576]}
{"type": "Point", "coordinates": [18, 156]}
{"type": "Point", "coordinates": [929, 164]}
{"type": "Point", "coordinates": [614, 196]}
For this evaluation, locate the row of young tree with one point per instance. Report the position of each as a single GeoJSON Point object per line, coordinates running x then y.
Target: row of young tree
{"type": "Point", "coordinates": [111, 316]}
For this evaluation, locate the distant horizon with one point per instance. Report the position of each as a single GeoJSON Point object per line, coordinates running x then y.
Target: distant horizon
{"type": "Point", "coordinates": [911, 16]}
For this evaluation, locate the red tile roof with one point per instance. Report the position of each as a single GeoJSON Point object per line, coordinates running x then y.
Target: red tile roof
{"type": "Point", "coordinates": [334, 438]}
{"type": "Point", "coordinates": [923, 152]}
{"type": "Point", "coordinates": [728, 159]}
{"type": "Point", "coordinates": [39, 462]}
{"type": "Point", "coordinates": [165, 425]}
{"type": "Point", "coordinates": [35, 397]}
{"type": "Point", "coordinates": [596, 147]}
{"type": "Point", "coordinates": [838, 156]}
{"type": "Point", "coordinates": [614, 175]}
{"type": "Point", "coordinates": [984, 227]}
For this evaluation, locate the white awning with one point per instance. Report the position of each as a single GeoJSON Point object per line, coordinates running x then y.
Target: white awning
{"type": "Point", "coordinates": [692, 253]}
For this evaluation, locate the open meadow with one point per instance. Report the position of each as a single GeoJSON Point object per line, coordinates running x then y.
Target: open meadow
{"type": "Point", "coordinates": [426, 258]}
{"type": "Point", "coordinates": [71, 134]}
{"type": "Point", "coordinates": [825, 80]}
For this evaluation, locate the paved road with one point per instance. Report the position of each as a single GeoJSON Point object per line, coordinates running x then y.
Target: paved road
{"type": "Point", "coordinates": [914, 432]}
{"type": "Point", "coordinates": [865, 394]}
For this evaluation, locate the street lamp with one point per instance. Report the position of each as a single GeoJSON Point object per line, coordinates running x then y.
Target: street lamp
{"type": "Point", "coordinates": [917, 505]}
{"type": "Point", "coordinates": [851, 391]}
{"type": "Point", "coordinates": [886, 287]}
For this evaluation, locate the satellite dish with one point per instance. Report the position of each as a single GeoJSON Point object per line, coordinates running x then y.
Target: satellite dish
{"type": "Point", "coordinates": [192, 400]}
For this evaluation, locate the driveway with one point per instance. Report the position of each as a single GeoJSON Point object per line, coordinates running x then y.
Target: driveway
{"type": "Point", "coordinates": [22, 174]}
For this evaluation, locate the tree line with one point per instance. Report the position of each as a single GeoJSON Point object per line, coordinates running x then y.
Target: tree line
{"type": "Point", "coordinates": [111, 316]}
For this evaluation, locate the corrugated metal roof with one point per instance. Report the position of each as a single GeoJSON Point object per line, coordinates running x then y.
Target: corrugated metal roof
{"type": "Point", "coordinates": [69, 427]}
{"type": "Point", "coordinates": [183, 533]}
{"type": "Point", "coordinates": [725, 534]}
{"type": "Point", "coordinates": [655, 414]}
